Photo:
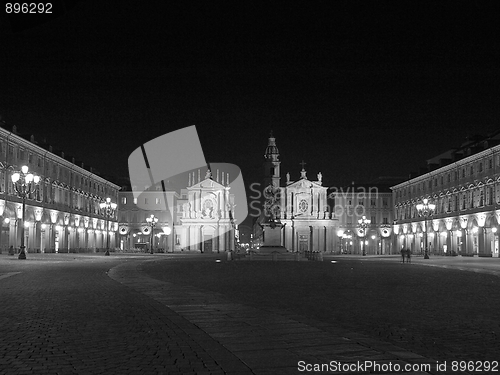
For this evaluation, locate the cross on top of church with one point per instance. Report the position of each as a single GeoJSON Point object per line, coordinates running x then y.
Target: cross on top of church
{"type": "Point", "coordinates": [303, 171]}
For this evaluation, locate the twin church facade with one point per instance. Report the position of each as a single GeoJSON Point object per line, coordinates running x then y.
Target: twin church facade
{"type": "Point", "coordinates": [201, 216]}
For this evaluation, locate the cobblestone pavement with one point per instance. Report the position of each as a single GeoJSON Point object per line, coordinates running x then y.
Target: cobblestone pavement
{"type": "Point", "coordinates": [66, 316]}
{"type": "Point", "coordinates": [84, 314]}
{"type": "Point", "coordinates": [486, 265]}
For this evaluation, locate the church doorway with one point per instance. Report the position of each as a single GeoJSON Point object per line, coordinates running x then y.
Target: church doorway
{"type": "Point", "coordinates": [303, 243]}
{"type": "Point", "coordinates": [207, 244]}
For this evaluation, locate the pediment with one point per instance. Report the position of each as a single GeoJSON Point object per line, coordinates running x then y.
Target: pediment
{"type": "Point", "coordinates": [305, 184]}
{"type": "Point", "coordinates": [207, 184]}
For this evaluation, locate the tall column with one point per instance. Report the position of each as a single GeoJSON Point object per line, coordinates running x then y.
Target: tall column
{"type": "Point", "coordinates": [465, 241]}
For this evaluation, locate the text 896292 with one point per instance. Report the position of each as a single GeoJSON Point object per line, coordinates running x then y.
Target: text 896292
{"type": "Point", "coordinates": [33, 8]}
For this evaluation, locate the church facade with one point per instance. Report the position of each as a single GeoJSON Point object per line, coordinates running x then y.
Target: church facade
{"type": "Point", "coordinates": [300, 206]}
{"type": "Point", "coordinates": [198, 217]}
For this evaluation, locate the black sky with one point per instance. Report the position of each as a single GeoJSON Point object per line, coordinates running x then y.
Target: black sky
{"type": "Point", "coordinates": [356, 89]}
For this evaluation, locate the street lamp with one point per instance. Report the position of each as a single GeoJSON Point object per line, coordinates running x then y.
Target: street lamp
{"type": "Point", "coordinates": [152, 220]}
{"type": "Point", "coordinates": [425, 210]}
{"type": "Point", "coordinates": [24, 184]}
{"type": "Point", "coordinates": [108, 209]}
{"type": "Point", "coordinates": [363, 224]}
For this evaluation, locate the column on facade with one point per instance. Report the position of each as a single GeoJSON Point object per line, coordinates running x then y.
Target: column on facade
{"type": "Point", "coordinates": [218, 242]}
{"type": "Point", "coordinates": [484, 238]}
{"type": "Point", "coordinates": [331, 239]}
{"type": "Point", "coordinates": [465, 246]}
{"type": "Point", "coordinates": [289, 204]}
{"type": "Point", "coordinates": [193, 231]}
{"type": "Point", "coordinates": [231, 238]}
{"type": "Point", "coordinates": [320, 238]}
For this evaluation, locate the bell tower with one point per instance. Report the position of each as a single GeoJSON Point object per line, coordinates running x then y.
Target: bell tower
{"type": "Point", "coordinates": [272, 163]}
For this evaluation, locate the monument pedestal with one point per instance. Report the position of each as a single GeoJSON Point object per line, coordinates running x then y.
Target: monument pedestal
{"type": "Point", "coordinates": [272, 239]}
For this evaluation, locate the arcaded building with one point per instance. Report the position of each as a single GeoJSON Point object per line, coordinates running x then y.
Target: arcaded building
{"type": "Point", "coordinates": [372, 201]}
{"type": "Point", "coordinates": [464, 185]}
{"type": "Point", "coordinates": [63, 215]}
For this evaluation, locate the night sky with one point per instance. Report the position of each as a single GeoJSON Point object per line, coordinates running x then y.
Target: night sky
{"type": "Point", "coordinates": [356, 89]}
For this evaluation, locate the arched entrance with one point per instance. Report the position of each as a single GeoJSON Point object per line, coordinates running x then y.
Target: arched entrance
{"type": "Point", "coordinates": [208, 233]}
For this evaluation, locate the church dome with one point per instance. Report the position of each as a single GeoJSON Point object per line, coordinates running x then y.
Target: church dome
{"type": "Point", "coordinates": [271, 148]}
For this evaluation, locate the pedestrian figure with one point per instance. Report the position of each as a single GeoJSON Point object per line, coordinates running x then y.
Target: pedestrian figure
{"type": "Point", "coordinates": [408, 256]}
{"type": "Point", "coordinates": [403, 252]}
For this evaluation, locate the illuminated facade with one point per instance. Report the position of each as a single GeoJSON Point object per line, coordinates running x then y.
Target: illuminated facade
{"type": "Point", "coordinates": [349, 204]}
{"type": "Point", "coordinates": [199, 216]}
{"type": "Point", "coordinates": [464, 184]}
{"type": "Point", "coordinates": [301, 206]}
{"type": "Point", "coordinates": [64, 214]}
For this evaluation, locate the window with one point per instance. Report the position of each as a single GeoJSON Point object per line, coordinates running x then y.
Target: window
{"type": "Point", "coordinates": [157, 201]}
{"type": "Point", "coordinates": [135, 200]}
{"type": "Point", "coordinates": [384, 202]}
{"type": "Point", "coordinates": [303, 205]}
{"type": "Point", "coordinates": [385, 220]}
{"type": "Point", "coordinates": [145, 200]}
{"type": "Point", "coordinates": [372, 220]}
{"type": "Point", "coordinates": [490, 164]}
{"type": "Point", "coordinates": [480, 167]}
{"type": "Point", "coordinates": [124, 200]}
{"type": "Point", "coordinates": [373, 203]}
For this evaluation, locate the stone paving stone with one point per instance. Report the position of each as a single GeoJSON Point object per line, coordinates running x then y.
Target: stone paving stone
{"type": "Point", "coordinates": [267, 342]}
{"type": "Point", "coordinates": [63, 321]}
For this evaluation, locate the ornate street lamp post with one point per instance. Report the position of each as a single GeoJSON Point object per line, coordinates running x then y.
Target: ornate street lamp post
{"type": "Point", "coordinates": [152, 220]}
{"type": "Point", "coordinates": [24, 184]}
{"type": "Point", "coordinates": [425, 210]}
{"type": "Point", "coordinates": [108, 209]}
{"type": "Point", "coordinates": [363, 224]}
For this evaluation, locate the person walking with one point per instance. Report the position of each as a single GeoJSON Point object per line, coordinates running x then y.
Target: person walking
{"type": "Point", "coordinates": [403, 252]}
{"type": "Point", "coordinates": [408, 256]}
